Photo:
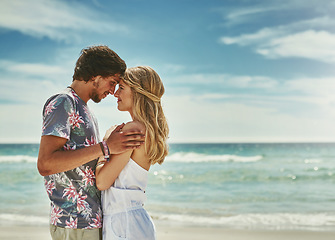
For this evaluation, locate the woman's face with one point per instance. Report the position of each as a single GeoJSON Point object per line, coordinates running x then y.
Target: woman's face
{"type": "Point", "coordinates": [124, 97]}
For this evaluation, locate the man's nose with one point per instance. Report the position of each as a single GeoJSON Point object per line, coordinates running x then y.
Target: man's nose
{"type": "Point", "coordinates": [112, 90]}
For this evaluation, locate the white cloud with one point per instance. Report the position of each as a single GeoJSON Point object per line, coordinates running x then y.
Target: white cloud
{"type": "Point", "coordinates": [259, 82]}
{"type": "Point", "coordinates": [191, 119]}
{"type": "Point", "coordinates": [237, 114]}
{"type": "Point", "coordinates": [319, 90]}
{"type": "Point", "coordinates": [194, 120]}
{"type": "Point", "coordinates": [311, 38]}
{"type": "Point", "coordinates": [221, 81]}
{"type": "Point", "coordinates": [28, 91]}
{"type": "Point", "coordinates": [311, 44]}
{"type": "Point", "coordinates": [256, 38]}
{"type": "Point", "coordinates": [242, 15]}
{"type": "Point", "coordinates": [32, 83]}
{"type": "Point", "coordinates": [171, 68]}
{"type": "Point", "coordinates": [33, 69]}
{"type": "Point", "coordinates": [57, 20]}
{"type": "Point", "coordinates": [256, 11]}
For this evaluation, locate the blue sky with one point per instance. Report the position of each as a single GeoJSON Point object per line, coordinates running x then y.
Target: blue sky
{"type": "Point", "coordinates": [234, 71]}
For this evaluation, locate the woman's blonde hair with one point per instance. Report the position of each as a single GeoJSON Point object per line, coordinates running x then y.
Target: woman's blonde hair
{"type": "Point", "coordinates": [148, 88]}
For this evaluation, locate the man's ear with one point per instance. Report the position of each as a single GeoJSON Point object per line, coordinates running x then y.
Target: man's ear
{"type": "Point", "coordinates": [95, 80]}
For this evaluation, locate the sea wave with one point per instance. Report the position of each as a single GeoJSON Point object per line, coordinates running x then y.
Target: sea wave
{"type": "Point", "coordinates": [17, 219]}
{"type": "Point", "coordinates": [176, 157]}
{"type": "Point", "coordinates": [278, 221]}
{"type": "Point", "coordinates": [199, 157]}
{"type": "Point", "coordinates": [275, 221]}
{"type": "Point", "coordinates": [17, 158]}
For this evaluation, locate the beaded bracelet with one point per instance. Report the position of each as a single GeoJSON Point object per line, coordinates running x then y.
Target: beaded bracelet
{"type": "Point", "coordinates": [102, 148]}
{"type": "Point", "coordinates": [106, 150]}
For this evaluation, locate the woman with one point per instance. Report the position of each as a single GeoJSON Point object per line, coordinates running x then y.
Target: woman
{"type": "Point", "coordinates": [123, 178]}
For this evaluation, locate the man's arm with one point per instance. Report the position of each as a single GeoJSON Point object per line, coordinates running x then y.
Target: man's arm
{"type": "Point", "coordinates": [53, 159]}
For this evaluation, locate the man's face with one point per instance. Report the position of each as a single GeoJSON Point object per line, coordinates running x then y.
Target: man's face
{"type": "Point", "coordinates": [103, 87]}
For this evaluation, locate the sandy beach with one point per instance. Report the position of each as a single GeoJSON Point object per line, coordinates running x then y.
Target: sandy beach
{"type": "Point", "coordinates": [181, 233]}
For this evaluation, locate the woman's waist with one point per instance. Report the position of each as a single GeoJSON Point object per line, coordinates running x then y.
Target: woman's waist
{"type": "Point", "coordinates": [115, 209]}
{"type": "Point", "coordinates": [118, 198]}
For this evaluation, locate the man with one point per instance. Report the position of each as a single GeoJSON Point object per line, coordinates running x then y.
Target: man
{"type": "Point", "coordinates": [70, 146]}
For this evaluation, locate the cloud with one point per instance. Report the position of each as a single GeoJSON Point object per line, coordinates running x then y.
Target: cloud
{"type": "Point", "coordinates": [261, 11]}
{"type": "Point", "coordinates": [256, 82]}
{"type": "Point", "coordinates": [202, 84]}
{"type": "Point", "coordinates": [199, 107]}
{"type": "Point", "coordinates": [227, 80]}
{"type": "Point", "coordinates": [317, 45]}
{"type": "Point", "coordinates": [31, 83]}
{"type": "Point", "coordinates": [57, 20]}
{"type": "Point", "coordinates": [260, 37]}
{"type": "Point", "coordinates": [306, 97]}
{"type": "Point", "coordinates": [27, 91]}
{"type": "Point", "coordinates": [204, 117]}
{"type": "Point", "coordinates": [32, 69]}
{"type": "Point", "coordinates": [321, 90]}
{"type": "Point", "coordinates": [242, 15]}
{"type": "Point", "coordinates": [248, 89]}
{"type": "Point", "coordinates": [312, 37]}
{"type": "Point", "coordinates": [310, 44]}
{"type": "Point", "coordinates": [194, 120]}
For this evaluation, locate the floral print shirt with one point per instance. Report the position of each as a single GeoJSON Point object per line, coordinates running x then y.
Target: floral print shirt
{"type": "Point", "coordinates": [75, 199]}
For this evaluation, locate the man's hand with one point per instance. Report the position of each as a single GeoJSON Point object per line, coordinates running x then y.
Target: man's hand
{"type": "Point", "coordinates": [111, 129]}
{"type": "Point", "coordinates": [120, 141]}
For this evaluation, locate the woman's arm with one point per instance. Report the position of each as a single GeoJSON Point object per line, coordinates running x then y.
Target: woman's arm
{"type": "Point", "coordinates": [107, 172]}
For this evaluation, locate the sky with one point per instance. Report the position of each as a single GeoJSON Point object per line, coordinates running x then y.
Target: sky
{"type": "Point", "coordinates": [233, 70]}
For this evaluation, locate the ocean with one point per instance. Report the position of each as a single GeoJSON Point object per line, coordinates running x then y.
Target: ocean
{"type": "Point", "coordinates": [286, 186]}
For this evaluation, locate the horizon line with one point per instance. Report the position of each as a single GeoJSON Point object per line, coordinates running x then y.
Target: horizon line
{"type": "Point", "coordinates": [210, 142]}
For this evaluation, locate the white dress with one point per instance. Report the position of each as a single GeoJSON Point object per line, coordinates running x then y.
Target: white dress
{"type": "Point", "coordinates": [122, 204]}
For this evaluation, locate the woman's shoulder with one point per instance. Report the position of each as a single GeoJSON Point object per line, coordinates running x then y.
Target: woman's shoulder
{"type": "Point", "coordinates": [139, 154]}
{"type": "Point", "coordinates": [134, 125]}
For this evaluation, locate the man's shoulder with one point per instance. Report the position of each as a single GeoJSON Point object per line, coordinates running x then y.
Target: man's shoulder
{"type": "Point", "coordinates": [58, 102]}
{"type": "Point", "coordinates": [63, 96]}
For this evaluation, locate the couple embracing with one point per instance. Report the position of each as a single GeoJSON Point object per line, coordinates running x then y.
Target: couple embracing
{"type": "Point", "coordinates": [97, 188]}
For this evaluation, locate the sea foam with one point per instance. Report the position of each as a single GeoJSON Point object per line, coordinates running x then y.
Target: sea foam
{"type": "Point", "coordinates": [278, 221]}
{"type": "Point", "coordinates": [198, 157]}
{"type": "Point", "coordinates": [17, 219]}
{"type": "Point", "coordinates": [17, 158]}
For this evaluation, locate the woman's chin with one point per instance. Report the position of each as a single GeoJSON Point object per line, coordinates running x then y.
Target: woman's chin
{"type": "Point", "coordinates": [120, 109]}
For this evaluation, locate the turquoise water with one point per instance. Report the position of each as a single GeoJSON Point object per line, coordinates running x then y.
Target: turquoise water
{"type": "Point", "coordinates": [253, 186]}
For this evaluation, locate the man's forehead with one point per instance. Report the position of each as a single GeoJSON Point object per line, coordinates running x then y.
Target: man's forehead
{"type": "Point", "coordinates": [115, 78]}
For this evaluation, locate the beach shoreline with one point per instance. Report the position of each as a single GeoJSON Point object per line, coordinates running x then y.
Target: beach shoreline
{"type": "Point", "coordinates": [225, 191]}
{"type": "Point", "coordinates": [167, 232]}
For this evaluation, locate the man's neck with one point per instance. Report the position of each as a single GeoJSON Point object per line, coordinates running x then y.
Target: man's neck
{"type": "Point", "coordinates": [82, 89]}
